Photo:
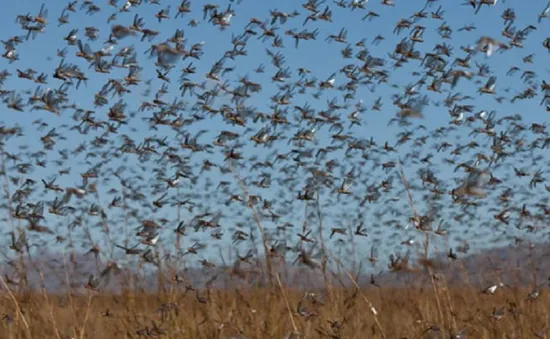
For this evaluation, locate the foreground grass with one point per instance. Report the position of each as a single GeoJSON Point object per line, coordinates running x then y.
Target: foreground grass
{"type": "Point", "coordinates": [278, 312]}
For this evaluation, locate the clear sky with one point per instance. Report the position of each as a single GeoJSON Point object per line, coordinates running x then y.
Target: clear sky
{"type": "Point", "coordinates": [321, 58]}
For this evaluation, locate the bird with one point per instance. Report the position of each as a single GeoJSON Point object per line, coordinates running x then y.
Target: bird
{"type": "Point", "coordinates": [160, 132]}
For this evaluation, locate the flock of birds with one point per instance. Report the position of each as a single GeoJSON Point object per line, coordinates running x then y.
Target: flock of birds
{"type": "Point", "coordinates": [146, 144]}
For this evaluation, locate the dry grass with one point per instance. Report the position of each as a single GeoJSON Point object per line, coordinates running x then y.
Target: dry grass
{"type": "Point", "coordinates": [276, 312]}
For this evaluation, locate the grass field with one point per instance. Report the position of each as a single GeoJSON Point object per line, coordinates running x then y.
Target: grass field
{"type": "Point", "coordinates": [430, 311]}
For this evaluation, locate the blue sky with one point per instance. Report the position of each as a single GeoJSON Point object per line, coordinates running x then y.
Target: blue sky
{"type": "Point", "coordinates": [320, 57]}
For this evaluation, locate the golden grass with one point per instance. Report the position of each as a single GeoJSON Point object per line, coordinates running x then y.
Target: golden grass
{"type": "Point", "coordinates": [277, 312]}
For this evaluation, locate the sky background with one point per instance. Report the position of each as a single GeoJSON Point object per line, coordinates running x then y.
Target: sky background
{"type": "Point", "coordinates": [320, 57]}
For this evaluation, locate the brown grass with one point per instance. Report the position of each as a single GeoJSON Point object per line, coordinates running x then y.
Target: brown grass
{"type": "Point", "coordinates": [276, 312]}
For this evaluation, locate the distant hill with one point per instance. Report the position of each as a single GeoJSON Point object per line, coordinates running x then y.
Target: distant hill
{"type": "Point", "coordinates": [516, 266]}
{"type": "Point", "coordinates": [512, 265]}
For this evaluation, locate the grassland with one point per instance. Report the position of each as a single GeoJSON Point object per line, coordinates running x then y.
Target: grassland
{"type": "Point", "coordinates": [423, 310]}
